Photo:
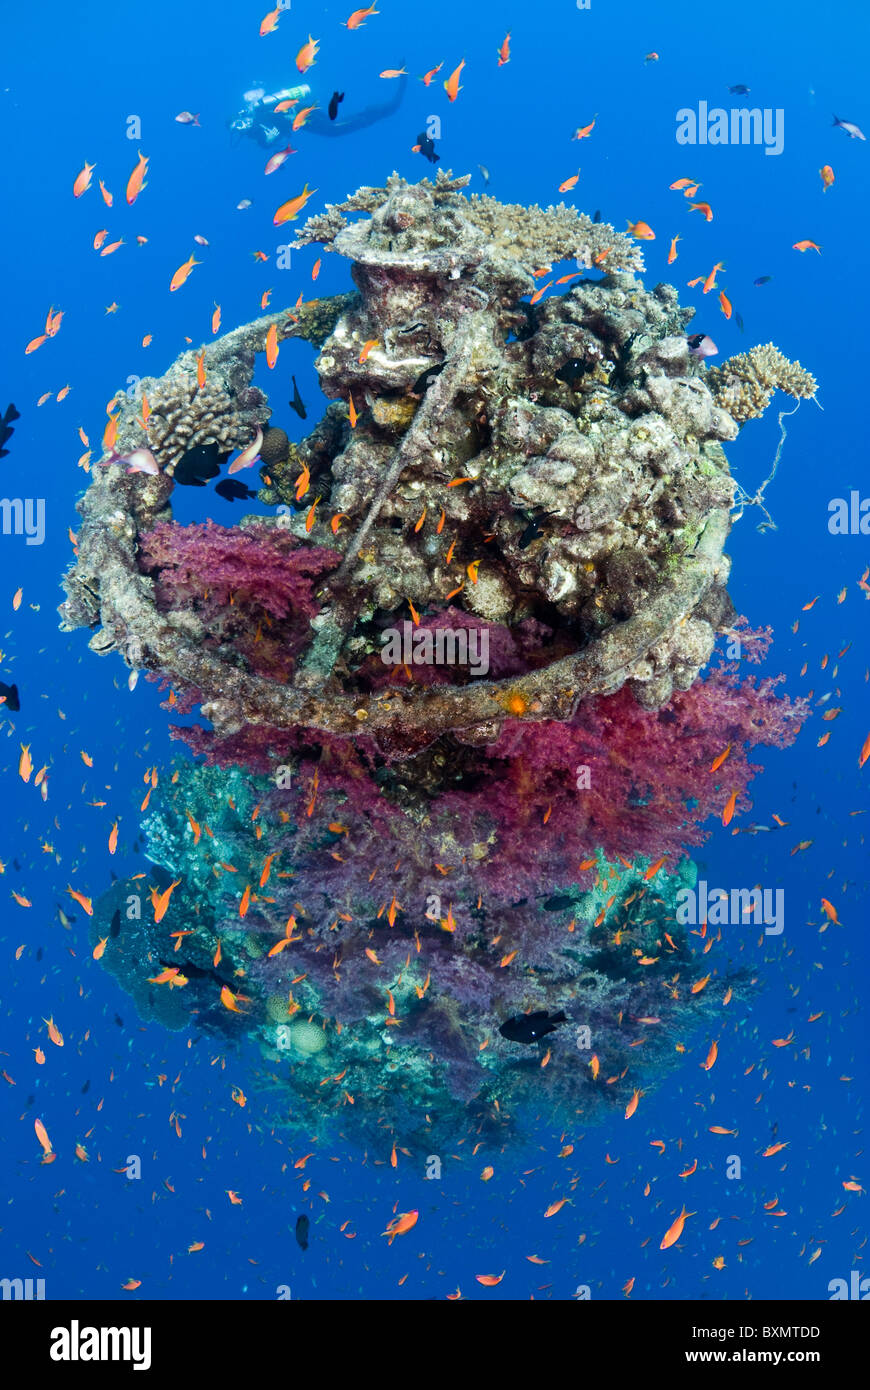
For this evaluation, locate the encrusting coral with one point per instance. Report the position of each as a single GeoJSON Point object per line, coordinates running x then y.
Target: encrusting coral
{"type": "Point", "coordinates": [543, 474]}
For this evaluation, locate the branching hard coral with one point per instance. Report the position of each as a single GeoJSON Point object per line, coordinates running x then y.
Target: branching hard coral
{"type": "Point", "coordinates": [529, 234]}
{"type": "Point", "coordinates": [744, 385]}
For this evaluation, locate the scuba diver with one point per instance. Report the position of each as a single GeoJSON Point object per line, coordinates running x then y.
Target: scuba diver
{"type": "Point", "coordinates": [260, 122]}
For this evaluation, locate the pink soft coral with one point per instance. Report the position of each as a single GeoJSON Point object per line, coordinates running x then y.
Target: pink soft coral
{"type": "Point", "coordinates": [251, 587]}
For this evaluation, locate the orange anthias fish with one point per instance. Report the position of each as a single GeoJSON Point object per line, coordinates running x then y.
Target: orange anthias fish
{"type": "Point", "coordinates": [182, 273]}
{"type": "Point", "coordinates": [569, 183]}
{"type": "Point", "coordinates": [673, 1233]}
{"type": "Point", "coordinates": [451, 86]}
{"type": "Point", "coordinates": [725, 304]}
{"type": "Point", "coordinates": [272, 345]}
{"type": "Point", "coordinates": [289, 211]}
{"type": "Point", "coordinates": [301, 116]}
{"type": "Point", "coordinates": [171, 975]}
{"type": "Point", "coordinates": [728, 812]}
{"type": "Point", "coordinates": [366, 349]}
{"type": "Point", "coordinates": [642, 231]}
{"type": "Point", "coordinates": [710, 282]}
{"type": "Point", "coordinates": [307, 54]}
{"type": "Point", "coordinates": [583, 132]}
{"type": "Point", "coordinates": [160, 901]}
{"type": "Point", "coordinates": [83, 902]}
{"type": "Point", "coordinates": [25, 763]}
{"type": "Point", "coordinates": [249, 454]}
{"type": "Point", "coordinates": [136, 183]}
{"type": "Point", "coordinates": [358, 16]}
{"type": "Point", "coordinates": [490, 1280]}
{"type": "Point", "coordinates": [710, 1059]}
{"type": "Point", "coordinates": [504, 53]}
{"type": "Point", "coordinates": [42, 1136]}
{"type": "Point", "coordinates": [806, 245]}
{"type": "Point", "coordinates": [230, 1000]}
{"type": "Point", "coordinates": [672, 254]}
{"type": "Point", "coordinates": [720, 758]}
{"type": "Point", "coordinates": [401, 1224]}
{"type": "Point", "coordinates": [654, 868]}
{"type": "Point", "coordinates": [393, 72]}
{"type": "Point", "coordinates": [83, 180]}
{"type": "Point", "coordinates": [704, 208]}
{"type": "Point", "coordinates": [826, 174]}
{"type": "Point", "coordinates": [555, 1206]}
{"type": "Point", "coordinates": [540, 293]}
{"type": "Point", "coordinates": [54, 1032]}
{"type": "Point", "coordinates": [830, 912]}
{"type": "Point", "coordinates": [278, 159]}
{"type": "Point", "coordinates": [270, 21]}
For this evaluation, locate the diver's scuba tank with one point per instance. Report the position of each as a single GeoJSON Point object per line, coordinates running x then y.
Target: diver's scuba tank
{"type": "Point", "coordinates": [259, 103]}
{"type": "Point", "coordinates": [294, 94]}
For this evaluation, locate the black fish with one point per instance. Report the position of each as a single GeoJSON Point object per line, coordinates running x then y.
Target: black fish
{"type": "Point", "coordinates": [425, 379]}
{"type": "Point", "coordinates": [426, 147]}
{"type": "Point", "coordinates": [198, 465]}
{"type": "Point", "coordinates": [572, 369]}
{"type": "Point", "coordinates": [597, 217]}
{"type": "Point", "coordinates": [6, 431]}
{"type": "Point", "coordinates": [533, 532]}
{"type": "Point", "coordinates": [530, 1028]}
{"type": "Point", "coordinates": [297, 402]}
{"type": "Point", "coordinates": [335, 100]}
{"type": "Point", "coordinates": [39, 953]}
{"type": "Point", "coordinates": [86, 1088]}
{"type": "Point", "coordinates": [763, 280]}
{"type": "Point", "coordinates": [302, 1225]}
{"type": "Point", "coordinates": [559, 902]}
{"type": "Point", "coordinates": [234, 491]}
{"type": "Point", "coordinates": [739, 91]}
{"type": "Point", "coordinates": [115, 924]}
{"type": "Point", "coordinates": [11, 693]}
{"type": "Point", "coordinates": [119, 1020]}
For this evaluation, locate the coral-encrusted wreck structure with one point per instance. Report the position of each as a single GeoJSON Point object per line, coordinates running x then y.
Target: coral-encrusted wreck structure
{"type": "Point", "coordinates": [499, 459]}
